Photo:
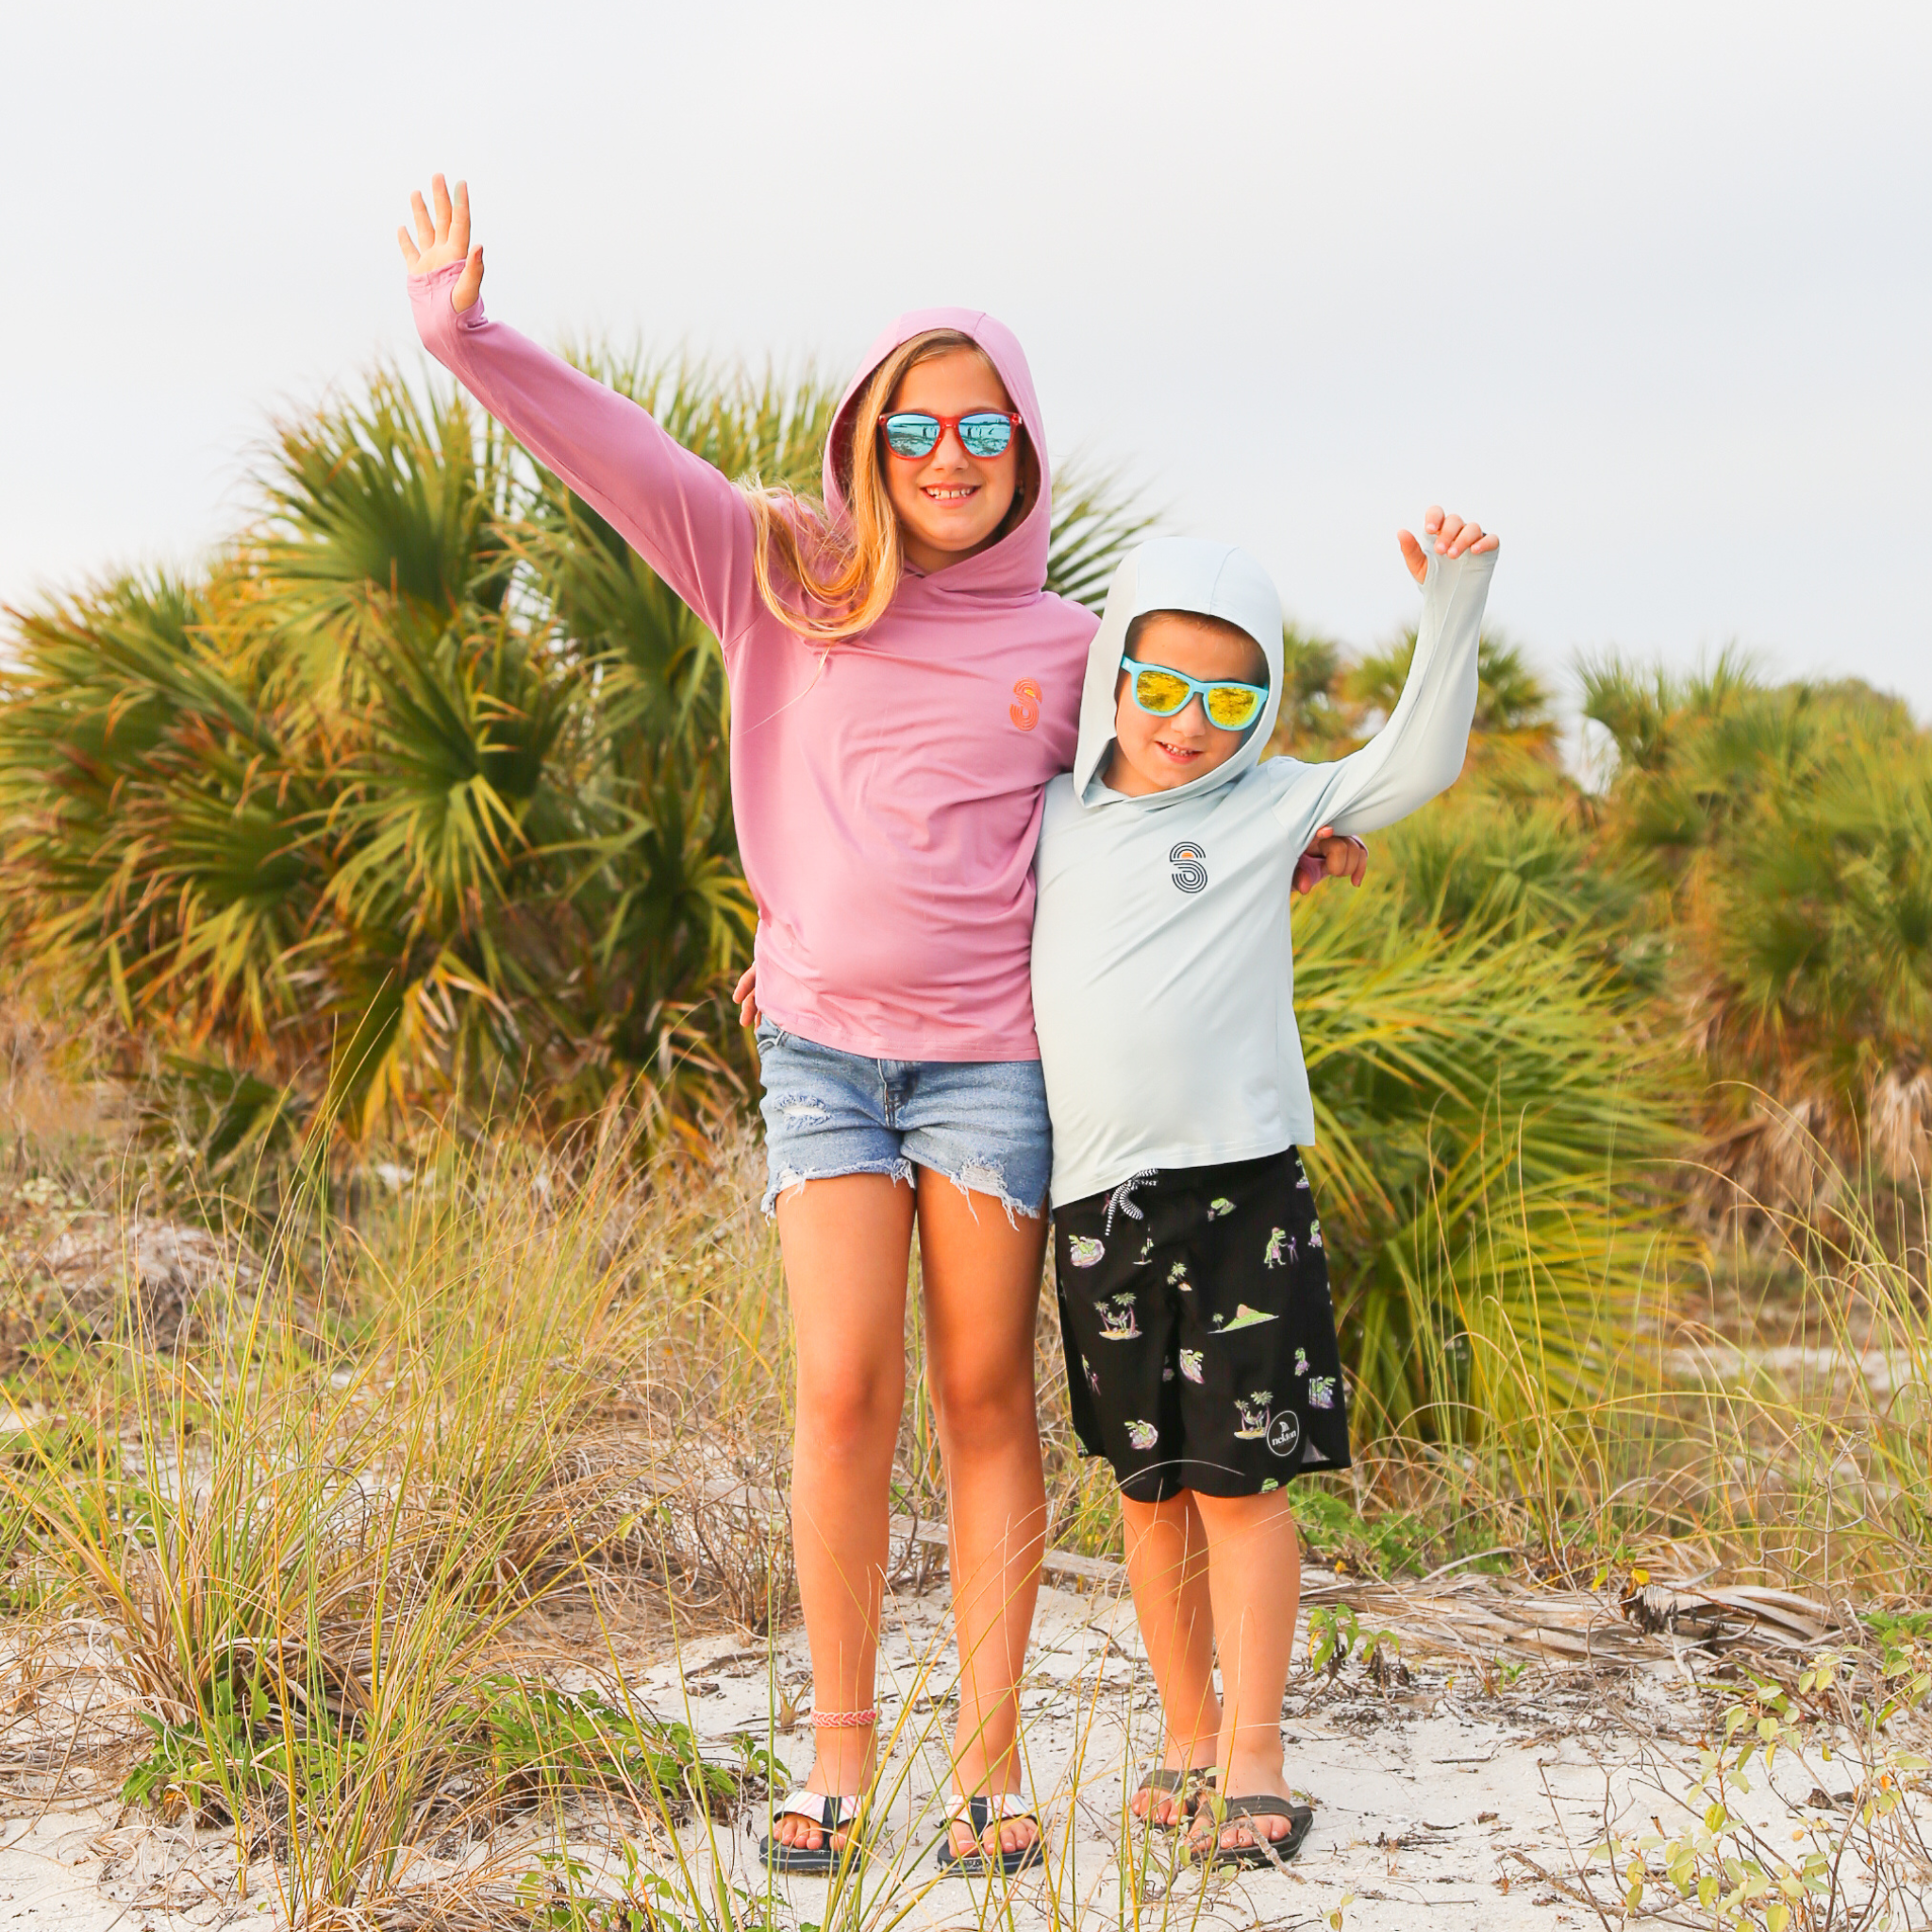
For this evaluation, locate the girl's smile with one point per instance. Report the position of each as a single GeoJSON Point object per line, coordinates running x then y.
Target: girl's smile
{"type": "Point", "coordinates": [950, 506]}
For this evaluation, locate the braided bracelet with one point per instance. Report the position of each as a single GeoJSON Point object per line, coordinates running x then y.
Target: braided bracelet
{"type": "Point", "coordinates": [842, 1720]}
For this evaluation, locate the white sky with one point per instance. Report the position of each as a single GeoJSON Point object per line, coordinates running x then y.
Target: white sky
{"type": "Point", "coordinates": [1645, 287]}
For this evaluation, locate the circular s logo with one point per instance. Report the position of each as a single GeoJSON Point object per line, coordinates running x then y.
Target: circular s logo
{"type": "Point", "coordinates": [1190, 867]}
{"type": "Point", "coordinates": [1025, 710]}
{"type": "Point", "coordinates": [1285, 1433]}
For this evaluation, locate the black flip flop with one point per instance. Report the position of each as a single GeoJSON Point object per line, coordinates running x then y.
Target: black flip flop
{"type": "Point", "coordinates": [977, 1816]}
{"type": "Point", "coordinates": [1175, 1784]}
{"type": "Point", "coordinates": [1269, 1851]}
{"type": "Point", "coordinates": [801, 1861]}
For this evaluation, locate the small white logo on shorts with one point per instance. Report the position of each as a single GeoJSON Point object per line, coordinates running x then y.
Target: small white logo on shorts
{"type": "Point", "coordinates": [1285, 1433]}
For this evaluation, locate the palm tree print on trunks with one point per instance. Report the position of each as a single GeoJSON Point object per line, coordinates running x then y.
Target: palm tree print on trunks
{"type": "Point", "coordinates": [1253, 1410]}
{"type": "Point", "coordinates": [1244, 1317]}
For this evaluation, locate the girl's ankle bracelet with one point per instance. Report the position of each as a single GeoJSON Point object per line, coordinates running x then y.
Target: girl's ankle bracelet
{"type": "Point", "coordinates": [842, 1720]}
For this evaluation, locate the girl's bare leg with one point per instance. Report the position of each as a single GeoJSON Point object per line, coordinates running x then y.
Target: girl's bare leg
{"type": "Point", "coordinates": [846, 1243]}
{"type": "Point", "coordinates": [982, 1274]}
{"type": "Point", "coordinates": [1255, 1579]}
{"type": "Point", "coordinates": [1166, 1568]}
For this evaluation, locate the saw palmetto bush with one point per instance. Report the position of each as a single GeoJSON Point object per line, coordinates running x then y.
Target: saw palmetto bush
{"type": "Point", "coordinates": [420, 794]}
{"type": "Point", "coordinates": [1495, 1131]}
{"type": "Point", "coordinates": [1786, 831]}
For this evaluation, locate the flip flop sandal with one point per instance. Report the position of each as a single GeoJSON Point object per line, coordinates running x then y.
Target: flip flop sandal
{"type": "Point", "coordinates": [1185, 1784]}
{"type": "Point", "coordinates": [1269, 1851]}
{"type": "Point", "coordinates": [830, 1812]}
{"type": "Point", "coordinates": [978, 1812]}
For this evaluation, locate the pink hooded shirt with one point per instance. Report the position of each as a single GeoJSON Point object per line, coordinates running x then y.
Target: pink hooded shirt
{"type": "Point", "coordinates": [887, 792]}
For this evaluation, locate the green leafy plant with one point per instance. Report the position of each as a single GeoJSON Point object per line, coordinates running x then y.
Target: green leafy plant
{"type": "Point", "coordinates": [420, 794]}
{"type": "Point", "coordinates": [1729, 1868]}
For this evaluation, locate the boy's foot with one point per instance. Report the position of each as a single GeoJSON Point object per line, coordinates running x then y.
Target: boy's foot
{"type": "Point", "coordinates": [1244, 1831]}
{"type": "Point", "coordinates": [1167, 1796]}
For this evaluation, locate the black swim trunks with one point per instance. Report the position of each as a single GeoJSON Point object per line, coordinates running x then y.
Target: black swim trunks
{"type": "Point", "coordinates": [1199, 1333]}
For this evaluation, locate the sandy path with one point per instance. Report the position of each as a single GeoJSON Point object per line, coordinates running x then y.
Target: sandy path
{"type": "Point", "coordinates": [1446, 1796]}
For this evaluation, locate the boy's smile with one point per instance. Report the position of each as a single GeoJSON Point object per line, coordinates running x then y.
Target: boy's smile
{"type": "Point", "coordinates": [1153, 753]}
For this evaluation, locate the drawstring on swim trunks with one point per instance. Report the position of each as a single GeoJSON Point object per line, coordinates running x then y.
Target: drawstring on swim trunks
{"type": "Point", "coordinates": [1123, 1197]}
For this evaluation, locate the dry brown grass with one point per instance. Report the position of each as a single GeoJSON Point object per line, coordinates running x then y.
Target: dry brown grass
{"type": "Point", "coordinates": [379, 1538]}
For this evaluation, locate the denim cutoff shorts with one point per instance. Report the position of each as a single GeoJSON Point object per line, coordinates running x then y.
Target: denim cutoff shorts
{"type": "Point", "coordinates": [982, 1123]}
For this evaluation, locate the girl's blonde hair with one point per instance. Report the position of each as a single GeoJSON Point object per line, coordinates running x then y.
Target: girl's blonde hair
{"type": "Point", "coordinates": [843, 574]}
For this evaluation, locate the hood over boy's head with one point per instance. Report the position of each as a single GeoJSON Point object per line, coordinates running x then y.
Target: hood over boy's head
{"type": "Point", "coordinates": [1207, 611]}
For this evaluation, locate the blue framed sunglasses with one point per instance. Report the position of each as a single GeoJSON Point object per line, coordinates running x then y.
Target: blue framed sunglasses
{"type": "Point", "coordinates": [984, 433]}
{"type": "Point", "coordinates": [1162, 691]}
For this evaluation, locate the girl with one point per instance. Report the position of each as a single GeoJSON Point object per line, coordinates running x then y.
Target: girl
{"type": "Point", "coordinates": [902, 688]}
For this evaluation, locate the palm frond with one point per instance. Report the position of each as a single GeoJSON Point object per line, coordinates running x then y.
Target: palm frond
{"type": "Point", "coordinates": [1096, 519]}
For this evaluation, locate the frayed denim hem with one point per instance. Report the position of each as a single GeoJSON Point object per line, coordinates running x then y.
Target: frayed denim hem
{"type": "Point", "coordinates": [789, 1180]}
{"type": "Point", "coordinates": [975, 1177]}
{"type": "Point", "coordinates": [990, 1178]}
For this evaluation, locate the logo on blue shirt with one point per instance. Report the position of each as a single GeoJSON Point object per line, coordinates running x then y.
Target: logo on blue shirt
{"type": "Point", "coordinates": [1190, 867]}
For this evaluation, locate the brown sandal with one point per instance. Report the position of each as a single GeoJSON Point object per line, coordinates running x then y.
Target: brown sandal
{"type": "Point", "coordinates": [1267, 1851]}
{"type": "Point", "coordinates": [1189, 1786]}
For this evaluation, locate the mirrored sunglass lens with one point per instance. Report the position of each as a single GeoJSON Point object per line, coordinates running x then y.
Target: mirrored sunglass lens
{"type": "Point", "coordinates": [912, 435]}
{"type": "Point", "coordinates": [1230, 707]}
{"type": "Point", "coordinates": [986, 436]}
{"type": "Point", "coordinates": [1160, 691]}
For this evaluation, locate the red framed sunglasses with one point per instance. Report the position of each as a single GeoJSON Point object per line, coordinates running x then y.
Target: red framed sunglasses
{"type": "Point", "coordinates": [982, 433]}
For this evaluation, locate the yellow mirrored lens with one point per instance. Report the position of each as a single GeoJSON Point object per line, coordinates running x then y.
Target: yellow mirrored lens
{"type": "Point", "coordinates": [1231, 708]}
{"type": "Point", "coordinates": [1160, 691]}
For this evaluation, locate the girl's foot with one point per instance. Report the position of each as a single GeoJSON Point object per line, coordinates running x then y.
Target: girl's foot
{"type": "Point", "coordinates": [842, 1762]}
{"type": "Point", "coordinates": [998, 1833]}
{"type": "Point", "coordinates": [1002, 1835]}
{"type": "Point", "coordinates": [822, 1846]}
{"type": "Point", "coordinates": [802, 1834]}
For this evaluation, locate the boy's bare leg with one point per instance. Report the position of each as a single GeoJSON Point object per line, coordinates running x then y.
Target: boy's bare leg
{"type": "Point", "coordinates": [981, 1275]}
{"type": "Point", "coordinates": [1167, 1567]}
{"type": "Point", "coordinates": [846, 1243]}
{"type": "Point", "coordinates": [1255, 1580]}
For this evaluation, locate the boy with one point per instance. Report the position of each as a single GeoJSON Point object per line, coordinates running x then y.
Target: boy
{"type": "Point", "coordinates": [1193, 1289]}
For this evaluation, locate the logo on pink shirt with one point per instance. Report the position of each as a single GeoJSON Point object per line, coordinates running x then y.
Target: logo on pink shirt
{"type": "Point", "coordinates": [1026, 712]}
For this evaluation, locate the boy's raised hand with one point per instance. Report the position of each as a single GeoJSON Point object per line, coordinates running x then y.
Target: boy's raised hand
{"type": "Point", "coordinates": [1451, 535]}
{"type": "Point", "coordinates": [445, 239]}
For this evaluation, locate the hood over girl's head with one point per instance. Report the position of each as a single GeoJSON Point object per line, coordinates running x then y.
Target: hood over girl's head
{"type": "Point", "coordinates": [829, 570]}
{"type": "Point", "coordinates": [1215, 608]}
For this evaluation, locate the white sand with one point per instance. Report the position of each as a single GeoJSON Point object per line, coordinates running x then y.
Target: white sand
{"type": "Point", "coordinates": [1443, 1797]}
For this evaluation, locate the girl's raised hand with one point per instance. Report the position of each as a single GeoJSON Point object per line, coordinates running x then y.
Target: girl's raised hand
{"type": "Point", "coordinates": [1451, 535]}
{"type": "Point", "coordinates": [445, 239]}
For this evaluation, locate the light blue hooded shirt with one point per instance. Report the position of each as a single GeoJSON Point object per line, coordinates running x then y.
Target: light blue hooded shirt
{"type": "Point", "coordinates": [1163, 973]}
